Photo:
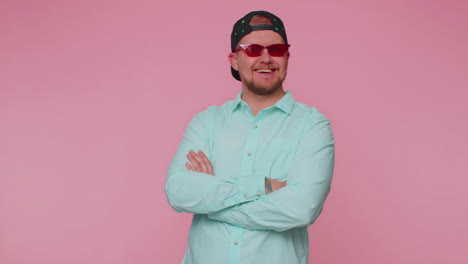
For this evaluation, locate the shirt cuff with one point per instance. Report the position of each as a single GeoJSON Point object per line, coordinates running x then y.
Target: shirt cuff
{"type": "Point", "coordinates": [251, 188]}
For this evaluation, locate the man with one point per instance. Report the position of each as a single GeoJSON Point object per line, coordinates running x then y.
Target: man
{"type": "Point", "coordinates": [255, 172]}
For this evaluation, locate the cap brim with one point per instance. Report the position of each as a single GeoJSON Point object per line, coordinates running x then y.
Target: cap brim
{"type": "Point", "coordinates": [235, 74]}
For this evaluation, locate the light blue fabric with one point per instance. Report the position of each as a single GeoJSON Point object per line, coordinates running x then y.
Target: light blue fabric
{"type": "Point", "coordinates": [234, 221]}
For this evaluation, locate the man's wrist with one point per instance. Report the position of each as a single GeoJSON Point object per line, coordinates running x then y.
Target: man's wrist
{"type": "Point", "coordinates": [273, 185]}
{"type": "Point", "coordinates": [268, 187]}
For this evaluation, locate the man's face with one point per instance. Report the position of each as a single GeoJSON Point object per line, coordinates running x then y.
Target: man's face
{"type": "Point", "coordinates": [262, 75]}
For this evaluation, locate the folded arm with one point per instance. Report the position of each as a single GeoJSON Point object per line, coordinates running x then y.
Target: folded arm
{"type": "Point", "coordinates": [301, 201]}
{"type": "Point", "coordinates": [196, 192]}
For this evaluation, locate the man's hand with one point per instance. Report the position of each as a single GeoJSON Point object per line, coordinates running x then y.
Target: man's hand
{"type": "Point", "coordinates": [273, 185]}
{"type": "Point", "coordinates": [199, 162]}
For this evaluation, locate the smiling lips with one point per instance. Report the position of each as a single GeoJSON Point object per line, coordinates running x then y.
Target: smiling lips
{"type": "Point", "coordinates": [264, 70]}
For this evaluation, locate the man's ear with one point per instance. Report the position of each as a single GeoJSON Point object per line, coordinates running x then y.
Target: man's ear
{"type": "Point", "coordinates": [232, 57]}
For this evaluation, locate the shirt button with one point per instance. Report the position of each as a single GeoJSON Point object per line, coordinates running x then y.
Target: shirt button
{"type": "Point", "coordinates": [236, 242]}
{"type": "Point", "coordinates": [222, 204]}
{"type": "Point", "coordinates": [255, 126]}
{"type": "Point", "coordinates": [259, 193]}
{"type": "Point", "coordinates": [250, 153]}
{"type": "Point", "coordinates": [246, 196]}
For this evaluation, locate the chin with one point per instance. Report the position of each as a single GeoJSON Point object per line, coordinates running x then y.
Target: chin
{"type": "Point", "coordinates": [262, 90]}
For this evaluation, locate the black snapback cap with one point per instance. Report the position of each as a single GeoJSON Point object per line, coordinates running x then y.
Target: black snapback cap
{"type": "Point", "coordinates": [242, 28]}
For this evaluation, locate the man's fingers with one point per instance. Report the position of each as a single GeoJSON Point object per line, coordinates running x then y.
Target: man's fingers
{"type": "Point", "coordinates": [195, 163]}
{"type": "Point", "coordinates": [203, 165]}
{"type": "Point", "coordinates": [199, 162]}
{"type": "Point", "coordinates": [207, 162]}
{"type": "Point", "coordinates": [188, 166]}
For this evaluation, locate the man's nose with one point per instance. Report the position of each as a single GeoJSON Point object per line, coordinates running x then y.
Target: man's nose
{"type": "Point", "coordinates": [265, 57]}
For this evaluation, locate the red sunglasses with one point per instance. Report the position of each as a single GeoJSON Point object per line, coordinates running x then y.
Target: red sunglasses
{"type": "Point", "coordinates": [255, 50]}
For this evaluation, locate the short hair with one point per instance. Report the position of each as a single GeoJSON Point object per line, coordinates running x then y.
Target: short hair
{"type": "Point", "coordinates": [260, 19]}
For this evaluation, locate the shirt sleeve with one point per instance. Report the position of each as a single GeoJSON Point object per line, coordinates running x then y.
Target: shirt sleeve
{"type": "Point", "coordinates": [301, 201]}
{"type": "Point", "coordinates": [200, 193]}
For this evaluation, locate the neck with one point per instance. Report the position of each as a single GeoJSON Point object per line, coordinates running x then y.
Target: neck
{"type": "Point", "coordinates": [259, 102]}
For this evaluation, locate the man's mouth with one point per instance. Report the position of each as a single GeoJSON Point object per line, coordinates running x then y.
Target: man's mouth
{"type": "Point", "coordinates": [264, 70]}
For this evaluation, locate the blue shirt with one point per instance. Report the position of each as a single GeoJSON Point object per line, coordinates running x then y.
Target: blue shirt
{"type": "Point", "coordinates": [234, 221]}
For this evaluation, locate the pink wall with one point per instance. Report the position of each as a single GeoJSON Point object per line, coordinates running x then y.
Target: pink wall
{"type": "Point", "coordinates": [95, 95]}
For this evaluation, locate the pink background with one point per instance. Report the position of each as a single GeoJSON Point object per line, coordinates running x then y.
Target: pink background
{"type": "Point", "coordinates": [95, 96]}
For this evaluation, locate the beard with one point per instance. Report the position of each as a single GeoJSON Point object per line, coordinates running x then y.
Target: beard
{"type": "Point", "coordinates": [262, 89]}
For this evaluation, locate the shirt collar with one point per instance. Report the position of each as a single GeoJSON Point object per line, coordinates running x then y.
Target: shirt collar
{"type": "Point", "coordinates": [237, 101]}
{"type": "Point", "coordinates": [285, 104]}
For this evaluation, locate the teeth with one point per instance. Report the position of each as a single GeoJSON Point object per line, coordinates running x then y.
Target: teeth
{"type": "Point", "coordinates": [264, 70]}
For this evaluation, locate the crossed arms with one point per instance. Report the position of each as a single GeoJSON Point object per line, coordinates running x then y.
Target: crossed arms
{"type": "Point", "coordinates": [241, 200]}
{"type": "Point", "coordinates": [199, 162]}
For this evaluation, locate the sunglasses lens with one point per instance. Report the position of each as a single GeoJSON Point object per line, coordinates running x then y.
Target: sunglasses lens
{"type": "Point", "coordinates": [278, 50]}
{"type": "Point", "coordinates": [254, 50]}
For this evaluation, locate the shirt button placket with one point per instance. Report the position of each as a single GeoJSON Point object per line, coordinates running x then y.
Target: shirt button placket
{"type": "Point", "coordinates": [251, 147]}
{"type": "Point", "coordinates": [247, 167]}
{"type": "Point", "coordinates": [235, 248]}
